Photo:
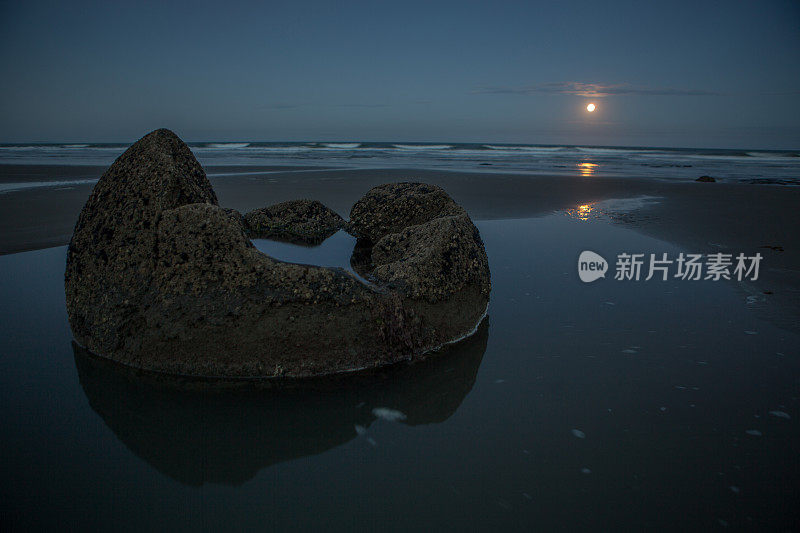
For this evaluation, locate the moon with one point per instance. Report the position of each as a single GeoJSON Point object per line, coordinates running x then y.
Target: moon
{"type": "Point", "coordinates": [590, 108]}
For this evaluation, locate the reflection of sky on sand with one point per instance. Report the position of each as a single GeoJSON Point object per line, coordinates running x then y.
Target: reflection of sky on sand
{"type": "Point", "coordinates": [188, 433]}
{"type": "Point", "coordinates": [582, 212]}
{"type": "Point", "coordinates": [609, 208]}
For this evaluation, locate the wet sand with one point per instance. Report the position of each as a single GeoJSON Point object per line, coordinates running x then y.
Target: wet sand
{"type": "Point", "coordinates": [698, 217]}
{"type": "Point", "coordinates": [574, 406]}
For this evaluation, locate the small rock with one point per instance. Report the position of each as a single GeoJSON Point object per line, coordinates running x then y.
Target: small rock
{"type": "Point", "coordinates": [297, 221]}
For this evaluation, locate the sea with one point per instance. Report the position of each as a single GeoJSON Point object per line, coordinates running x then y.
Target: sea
{"type": "Point", "coordinates": [758, 166]}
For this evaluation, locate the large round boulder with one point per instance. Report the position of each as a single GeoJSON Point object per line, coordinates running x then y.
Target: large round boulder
{"type": "Point", "coordinates": [161, 278]}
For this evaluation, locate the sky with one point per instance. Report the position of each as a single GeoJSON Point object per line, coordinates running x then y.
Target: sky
{"type": "Point", "coordinates": [683, 74]}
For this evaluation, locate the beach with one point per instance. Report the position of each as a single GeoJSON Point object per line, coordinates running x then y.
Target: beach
{"type": "Point", "coordinates": [400, 266]}
{"type": "Point", "coordinates": [573, 405]}
{"type": "Point", "coordinates": [703, 218]}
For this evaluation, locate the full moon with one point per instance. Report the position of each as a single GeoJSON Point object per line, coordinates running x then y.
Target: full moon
{"type": "Point", "coordinates": [590, 108]}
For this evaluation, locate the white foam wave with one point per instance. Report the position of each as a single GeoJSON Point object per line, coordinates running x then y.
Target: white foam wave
{"type": "Point", "coordinates": [423, 146]}
{"type": "Point", "coordinates": [524, 148]}
{"type": "Point", "coordinates": [345, 146]}
{"type": "Point", "coordinates": [784, 157]}
{"type": "Point", "coordinates": [59, 148]}
{"type": "Point", "coordinates": [9, 187]}
{"type": "Point", "coordinates": [227, 145]}
{"type": "Point", "coordinates": [613, 150]}
{"type": "Point", "coordinates": [279, 148]}
{"type": "Point", "coordinates": [30, 148]}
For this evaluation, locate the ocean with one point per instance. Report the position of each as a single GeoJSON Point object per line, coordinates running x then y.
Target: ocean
{"type": "Point", "coordinates": [757, 166]}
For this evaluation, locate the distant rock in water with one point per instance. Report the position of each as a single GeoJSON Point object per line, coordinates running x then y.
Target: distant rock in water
{"type": "Point", "coordinates": [297, 221]}
{"type": "Point", "coordinates": [159, 277]}
{"type": "Point", "coordinates": [705, 179]}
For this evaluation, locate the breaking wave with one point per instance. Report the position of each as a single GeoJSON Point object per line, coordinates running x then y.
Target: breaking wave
{"type": "Point", "coordinates": [423, 146]}
{"type": "Point", "coordinates": [344, 146]}
{"type": "Point", "coordinates": [226, 145]}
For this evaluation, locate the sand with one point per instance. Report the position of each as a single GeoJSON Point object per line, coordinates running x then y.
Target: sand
{"type": "Point", "coordinates": [699, 217]}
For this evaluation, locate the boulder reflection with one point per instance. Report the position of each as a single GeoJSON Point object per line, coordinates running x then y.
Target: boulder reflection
{"type": "Point", "coordinates": [196, 435]}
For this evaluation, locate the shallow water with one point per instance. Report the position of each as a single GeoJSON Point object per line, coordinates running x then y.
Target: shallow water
{"type": "Point", "coordinates": [335, 251]}
{"type": "Point", "coordinates": [608, 405]}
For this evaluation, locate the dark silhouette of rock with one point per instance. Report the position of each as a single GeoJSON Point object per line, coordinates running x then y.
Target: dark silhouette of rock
{"type": "Point", "coordinates": [705, 179]}
{"type": "Point", "coordinates": [161, 278]}
{"type": "Point", "coordinates": [296, 221]}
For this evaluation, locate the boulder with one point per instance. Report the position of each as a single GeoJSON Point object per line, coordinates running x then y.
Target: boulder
{"type": "Point", "coordinates": [296, 221]}
{"type": "Point", "coordinates": [161, 278]}
{"type": "Point", "coordinates": [112, 255]}
{"type": "Point", "coordinates": [705, 179]}
{"type": "Point", "coordinates": [425, 245]}
{"type": "Point", "coordinates": [422, 245]}
{"type": "Point", "coordinates": [393, 207]}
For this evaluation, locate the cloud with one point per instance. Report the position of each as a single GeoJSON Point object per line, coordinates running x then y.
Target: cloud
{"type": "Point", "coordinates": [334, 105]}
{"type": "Point", "coordinates": [594, 90]}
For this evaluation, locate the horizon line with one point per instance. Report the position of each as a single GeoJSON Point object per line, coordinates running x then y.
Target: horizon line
{"type": "Point", "coordinates": [407, 142]}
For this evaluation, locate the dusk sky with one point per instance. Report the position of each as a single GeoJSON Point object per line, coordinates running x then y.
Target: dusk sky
{"type": "Point", "coordinates": [685, 74]}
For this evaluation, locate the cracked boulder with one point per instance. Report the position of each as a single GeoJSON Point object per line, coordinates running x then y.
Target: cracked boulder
{"type": "Point", "coordinates": [159, 277]}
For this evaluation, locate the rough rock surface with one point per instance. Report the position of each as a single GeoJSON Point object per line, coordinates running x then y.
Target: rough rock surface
{"type": "Point", "coordinates": [425, 245]}
{"type": "Point", "coordinates": [705, 179]}
{"type": "Point", "coordinates": [161, 278]}
{"type": "Point", "coordinates": [296, 221]}
{"type": "Point", "coordinates": [393, 207]}
{"type": "Point", "coordinates": [111, 257]}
